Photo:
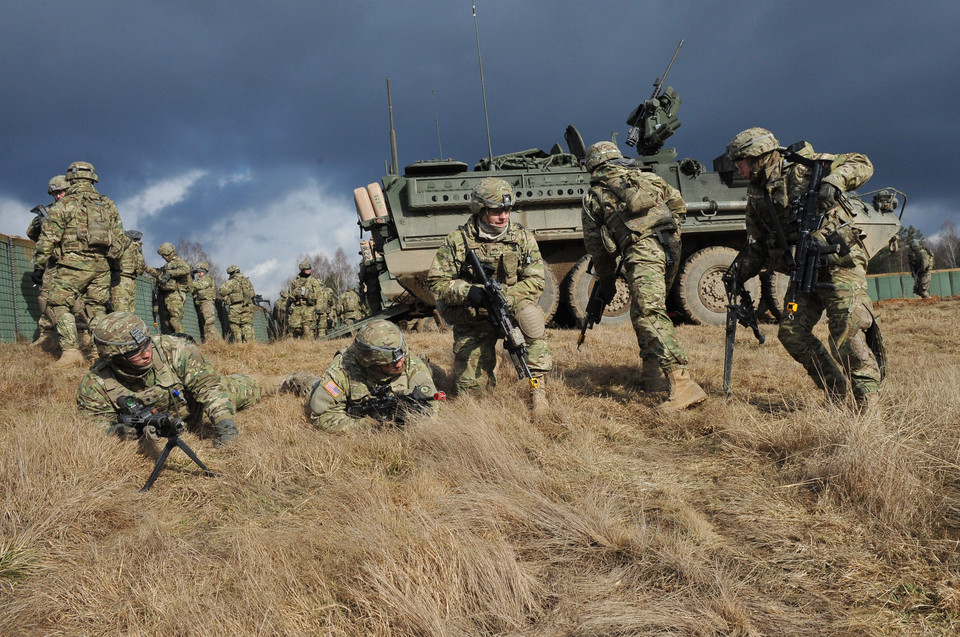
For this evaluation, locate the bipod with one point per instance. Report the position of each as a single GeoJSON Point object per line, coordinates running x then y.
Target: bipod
{"type": "Point", "coordinates": [175, 441]}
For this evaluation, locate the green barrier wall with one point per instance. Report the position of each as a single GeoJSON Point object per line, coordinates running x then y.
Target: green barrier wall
{"type": "Point", "coordinates": [20, 309]}
{"type": "Point", "coordinates": [899, 285]}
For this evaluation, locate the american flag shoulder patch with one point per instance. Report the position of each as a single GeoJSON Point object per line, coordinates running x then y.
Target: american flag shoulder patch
{"type": "Point", "coordinates": [332, 388]}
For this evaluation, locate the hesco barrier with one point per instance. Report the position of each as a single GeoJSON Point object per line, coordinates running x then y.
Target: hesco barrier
{"type": "Point", "coordinates": [20, 308]}
{"type": "Point", "coordinates": [882, 287]}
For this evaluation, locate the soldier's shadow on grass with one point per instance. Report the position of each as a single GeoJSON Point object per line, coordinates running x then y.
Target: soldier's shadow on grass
{"type": "Point", "coordinates": [774, 404]}
{"type": "Point", "coordinates": [619, 382]}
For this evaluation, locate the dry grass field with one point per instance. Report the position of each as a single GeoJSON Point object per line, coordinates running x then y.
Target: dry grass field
{"type": "Point", "coordinates": [774, 513]}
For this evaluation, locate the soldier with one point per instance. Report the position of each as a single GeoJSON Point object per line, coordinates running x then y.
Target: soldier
{"type": "Point", "coordinates": [512, 252]}
{"type": "Point", "coordinates": [326, 311]}
{"type": "Point", "coordinates": [130, 265]}
{"type": "Point", "coordinates": [921, 263]}
{"type": "Point", "coordinates": [635, 215]}
{"type": "Point", "coordinates": [173, 283]}
{"type": "Point", "coordinates": [280, 313]}
{"type": "Point", "coordinates": [205, 300]}
{"type": "Point", "coordinates": [304, 293]}
{"type": "Point", "coordinates": [842, 286]}
{"type": "Point", "coordinates": [238, 294]}
{"type": "Point", "coordinates": [349, 307]}
{"type": "Point", "coordinates": [47, 340]}
{"type": "Point", "coordinates": [166, 372]}
{"type": "Point", "coordinates": [83, 232]}
{"type": "Point", "coordinates": [376, 358]}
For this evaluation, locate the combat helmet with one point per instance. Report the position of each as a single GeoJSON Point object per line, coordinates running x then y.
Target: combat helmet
{"type": "Point", "coordinates": [379, 343]}
{"type": "Point", "coordinates": [599, 154]}
{"type": "Point", "coordinates": [81, 170]}
{"type": "Point", "coordinates": [120, 334]}
{"type": "Point", "coordinates": [491, 192]}
{"type": "Point", "coordinates": [752, 142]}
{"type": "Point", "coordinates": [133, 235]}
{"type": "Point", "coordinates": [165, 249]}
{"type": "Point", "coordinates": [306, 265]}
{"type": "Point", "coordinates": [233, 269]}
{"type": "Point", "coordinates": [57, 184]}
{"type": "Point", "coordinates": [914, 243]}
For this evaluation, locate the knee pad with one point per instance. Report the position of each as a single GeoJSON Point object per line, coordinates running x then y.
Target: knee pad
{"type": "Point", "coordinates": [531, 320]}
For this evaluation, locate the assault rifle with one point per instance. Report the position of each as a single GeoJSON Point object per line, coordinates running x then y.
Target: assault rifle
{"type": "Point", "coordinates": [595, 306]}
{"type": "Point", "coordinates": [740, 309]}
{"type": "Point", "coordinates": [40, 210]}
{"type": "Point", "coordinates": [153, 423]}
{"type": "Point", "coordinates": [499, 315]}
{"type": "Point", "coordinates": [386, 406]}
{"type": "Point", "coordinates": [810, 254]}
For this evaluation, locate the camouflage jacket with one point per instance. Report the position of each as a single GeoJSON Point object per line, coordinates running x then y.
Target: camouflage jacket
{"type": "Point", "coordinates": [349, 305]}
{"type": "Point", "coordinates": [204, 289]}
{"type": "Point", "coordinates": [82, 231]}
{"type": "Point", "coordinates": [130, 263]}
{"type": "Point", "coordinates": [346, 382]}
{"type": "Point", "coordinates": [921, 259]}
{"type": "Point", "coordinates": [781, 183]}
{"type": "Point", "coordinates": [515, 259]}
{"type": "Point", "coordinates": [180, 381]}
{"type": "Point", "coordinates": [237, 290]}
{"type": "Point", "coordinates": [175, 275]}
{"type": "Point", "coordinates": [623, 205]}
{"type": "Point", "coordinates": [304, 290]}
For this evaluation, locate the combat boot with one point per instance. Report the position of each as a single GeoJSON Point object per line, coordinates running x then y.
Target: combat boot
{"type": "Point", "coordinates": [87, 347]}
{"type": "Point", "coordinates": [226, 432]}
{"type": "Point", "coordinates": [269, 385]}
{"type": "Point", "coordinates": [867, 404]}
{"type": "Point", "coordinates": [299, 383]}
{"type": "Point", "coordinates": [683, 392]}
{"type": "Point", "coordinates": [48, 341]}
{"type": "Point", "coordinates": [69, 358]}
{"type": "Point", "coordinates": [652, 378]}
{"type": "Point", "coordinates": [538, 399]}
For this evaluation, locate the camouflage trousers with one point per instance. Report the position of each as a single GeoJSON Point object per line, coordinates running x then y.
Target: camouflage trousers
{"type": "Point", "coordinates": [44, 322]}
{"type": "Point", "coordinates": [207, 312]}
{"type": "Point", "coordinates": [475, 356]}
{"type": "Point", "coordinates": [72, 292]}
{"type": "Point", "coordinates": [123, 294]}
{"type": "Point", "coordinates": [242, 389]}
{"type": "Point", "coordinates": [173, 301]}
{"type": "Point", "coordinates": [849, 316]}
{"type": "Point", "coordinates": [645, 271]}
{"type": "Point", "coordinates": [241, 323]}
{"type": "Point", "coordinates": [302, 320]}
{"type": "Point", "coordinates": [921, 284]}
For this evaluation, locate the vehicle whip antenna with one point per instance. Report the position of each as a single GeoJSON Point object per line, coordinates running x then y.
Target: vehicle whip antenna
{"type": "Point", "coordinates": [483, 88]}
{"type": "Point", "coordinates": [436, 117]}
{"type": "Point", "coordinates": [393, 134]}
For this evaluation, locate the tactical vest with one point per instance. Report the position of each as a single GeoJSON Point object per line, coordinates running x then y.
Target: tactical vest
{"type": "Point", "coordinates": [637, 212]}
{"type": "Point", "coordinates": [504, 259]}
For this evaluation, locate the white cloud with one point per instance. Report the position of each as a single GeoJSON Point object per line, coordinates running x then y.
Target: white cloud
{"type": "Point", "coordinates": [266, 242]}
{"type": "Point", "coordinates": [156, 197]}
{"type": "Point", "coordinates": [15, 217]}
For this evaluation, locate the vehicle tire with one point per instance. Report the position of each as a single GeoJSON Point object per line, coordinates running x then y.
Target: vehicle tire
{"type": "Point", "coordinates": [550, 299]}
{"type": "Point", "coordinates": [699, 290]}
{"type": "Point", "coordinates": [577, 294]}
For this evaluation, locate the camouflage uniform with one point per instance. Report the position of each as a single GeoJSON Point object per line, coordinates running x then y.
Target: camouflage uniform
{"type": "Point", "coordinates": [304, 293]}
{"type": "Point", "coordinates": [57, 188]}
{"type": "Point", "coordinates": [773, 184]}
{"type": "Point", "coordinates": [326, 311]}
{"type": "Point", "coordinates": [238, 293]}
{"type": "Point", "coordinates": [518, 266]}
{"type": "Point", "coordinates": [205, 300]}
{"type": "Point", "coordinates": [349, 307]}
{"type": "Point", "coordinates": [129, 266]}
{"type": "Point", "coordinates": [280, 313]}
{"type": "Point", "coordinates": [173, 284]}
{"type": "Point", "coordinates": [80, 236]}
{"type": "Point", "coordinates": [178, 381]}
{"type": "Point", "coordinates": [352, 376]}
{"type": "Point", "coordinates": [921, 264]}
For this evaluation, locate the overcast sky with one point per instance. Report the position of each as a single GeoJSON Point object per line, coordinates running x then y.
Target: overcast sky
{"type": "Point", "coordinates": [245, 126]}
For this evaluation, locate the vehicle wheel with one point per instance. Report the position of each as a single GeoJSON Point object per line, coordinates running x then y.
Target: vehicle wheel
{"type": "Point", "coordinates": [577, 294]}
{"type": "Point", "coordinates": [550, 299]}
{"type": "Point", "coordinates": [699, 289]}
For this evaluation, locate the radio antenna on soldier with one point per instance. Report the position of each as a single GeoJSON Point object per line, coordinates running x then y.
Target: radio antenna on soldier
{"type": "Point", "coordinates": [436, 115]}
{"type": "Point", "coordinates": [483, 88]}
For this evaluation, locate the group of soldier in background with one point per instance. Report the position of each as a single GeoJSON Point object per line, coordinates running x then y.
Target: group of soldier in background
{"type": "Point", "coordinates": [307, 308]}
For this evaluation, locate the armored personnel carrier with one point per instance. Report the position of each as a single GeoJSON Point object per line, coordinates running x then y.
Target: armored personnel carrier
{"type": "Point", "coordinates": [409, 215]}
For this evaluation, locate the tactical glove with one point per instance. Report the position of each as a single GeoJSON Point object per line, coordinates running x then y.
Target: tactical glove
{"type": "Point", "coordinates": [608, 290]}
{"type": "Point", "coordinates": [827, 197]}
{"type": "Point", "coordinates": [37, 276]}
{"type": "Point", "coordinates": [476, 296]}
{"type": "Point", "coordinates": [164, 277]}
{"type": "Point", "coordinates": [125, 432]}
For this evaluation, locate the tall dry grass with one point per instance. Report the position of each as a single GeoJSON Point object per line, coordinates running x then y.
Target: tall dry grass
{"type": "Point", "coordinates": [771, 513]}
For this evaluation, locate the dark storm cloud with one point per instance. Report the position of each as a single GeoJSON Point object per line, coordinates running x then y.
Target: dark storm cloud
{"type": "Point", "coordinates": [196, 113]}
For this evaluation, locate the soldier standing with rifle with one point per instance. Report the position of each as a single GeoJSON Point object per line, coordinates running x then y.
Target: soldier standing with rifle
{"type": "Point", "coordinates": [238, 293]}
{"type": "Point", "coordinates": [797, 224]}
{"type": "Point", "coordinates": [921, 263]}
{"type": "Point", "coordinates": [173, 282]}
{"type": "Point", "coordinates": [634, 215]}
{"type": "Point", "coordinates": [56, 188]}
{"type": "Point", "coordinates": [205, 300]}
{"type": "Point", "coordinates": [511, 255]}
